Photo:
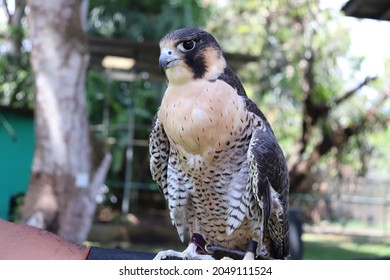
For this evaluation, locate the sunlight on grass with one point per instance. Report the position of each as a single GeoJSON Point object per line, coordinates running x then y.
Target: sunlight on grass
{"type": "Point", "coordinates": [327, 247]}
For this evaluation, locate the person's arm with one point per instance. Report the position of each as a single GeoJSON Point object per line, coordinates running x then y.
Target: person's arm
{"type": "Point", "coordinates": [22, 242]}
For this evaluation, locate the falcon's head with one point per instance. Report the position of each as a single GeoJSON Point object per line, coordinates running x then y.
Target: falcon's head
{"type": "Point", "coordinates": [190, 53]}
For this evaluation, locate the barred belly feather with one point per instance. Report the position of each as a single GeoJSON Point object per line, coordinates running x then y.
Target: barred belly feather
{"type": "Point", "coordinates": [209, 193]}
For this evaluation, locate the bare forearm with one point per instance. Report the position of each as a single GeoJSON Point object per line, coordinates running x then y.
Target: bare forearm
{"type": "Point", "coordinates": [24, 242]}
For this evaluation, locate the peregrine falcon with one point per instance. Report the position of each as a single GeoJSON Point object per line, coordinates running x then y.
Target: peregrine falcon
{"type": "Point", "coordinates": [215, 158]}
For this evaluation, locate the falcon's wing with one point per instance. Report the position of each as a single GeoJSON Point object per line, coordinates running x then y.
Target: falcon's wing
{"type": "Point", "coordinates": [160, 159]}
{"type": "Point", "coordinates": [270, 186]}
{"type": "Point", "coordinates": [268, 173]}
{"type": "Point", "coordinates": [159, 154]}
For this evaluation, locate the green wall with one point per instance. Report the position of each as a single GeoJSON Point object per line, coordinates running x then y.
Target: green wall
{"type": "Point", "coordinates": [16, 153]}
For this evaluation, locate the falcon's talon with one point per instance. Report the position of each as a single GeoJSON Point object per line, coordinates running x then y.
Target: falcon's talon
{"type": "Point", "coordinates": [214, 155]}
{"type": "Point", "coordinates": [163, 255]}
{"type": "Point", "coordinates": [188, 254]}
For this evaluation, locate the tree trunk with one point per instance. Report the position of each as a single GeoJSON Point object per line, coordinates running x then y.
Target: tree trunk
{"type": "Point", "coordinates": [61, 197]}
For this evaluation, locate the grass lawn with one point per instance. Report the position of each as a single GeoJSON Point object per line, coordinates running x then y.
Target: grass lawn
{"type": "Point", "coordinates": [335, 247]}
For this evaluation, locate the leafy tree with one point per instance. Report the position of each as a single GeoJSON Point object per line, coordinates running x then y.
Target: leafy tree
{"type": "Point", "coordinates": [16, 81]}
{"type": "Point", "coordinates": [142, 20]}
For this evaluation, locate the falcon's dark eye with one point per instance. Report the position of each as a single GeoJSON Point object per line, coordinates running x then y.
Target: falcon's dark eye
{"type": "Point", "coordinates": [186, 46]}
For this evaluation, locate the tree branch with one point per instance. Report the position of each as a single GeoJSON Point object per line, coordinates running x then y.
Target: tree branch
{"type": "Point", "coordinates": [6, 11]}
{"type": "Point", "coordinates": [350, 93]}
{"type": "Point", "coordinates": [15, 18]}
{"type": "Point", "coordinates": [300, 168]}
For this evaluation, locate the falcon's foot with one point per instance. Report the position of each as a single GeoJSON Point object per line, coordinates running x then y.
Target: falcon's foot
{"type": "Point", "coordinates": [188, 254]}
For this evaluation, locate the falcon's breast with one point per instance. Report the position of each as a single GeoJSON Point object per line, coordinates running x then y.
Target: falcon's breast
{"type": "Point", "coordinates": [202, 116]}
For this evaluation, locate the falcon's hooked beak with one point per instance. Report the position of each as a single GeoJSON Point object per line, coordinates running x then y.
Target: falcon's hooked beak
{"type": "Point", "coordinates": [168, 58]}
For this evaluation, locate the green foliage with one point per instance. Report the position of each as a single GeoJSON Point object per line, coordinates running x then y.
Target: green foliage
{"type": "Point", "coordinates": [16, 80]}
{"type": "Point", "coordinates": [142, 20]}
